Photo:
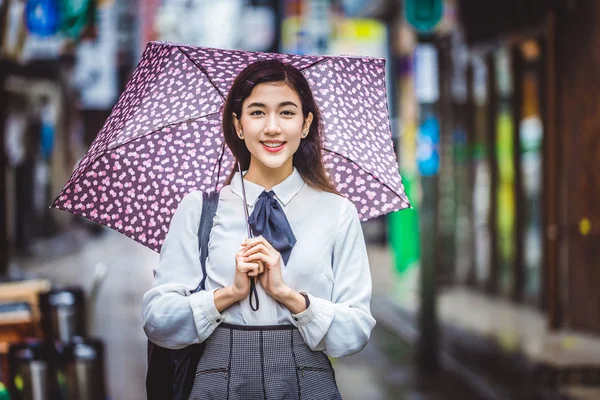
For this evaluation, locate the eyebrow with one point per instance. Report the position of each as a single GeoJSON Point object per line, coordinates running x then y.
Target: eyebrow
{"type": "Point", "coordinates": [284, 104]}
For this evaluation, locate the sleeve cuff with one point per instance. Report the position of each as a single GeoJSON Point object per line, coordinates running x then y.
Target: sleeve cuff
{"type": "Point", "coordinates": [203, 308]}
{"type": "Point", "coordinates": [307, 315]}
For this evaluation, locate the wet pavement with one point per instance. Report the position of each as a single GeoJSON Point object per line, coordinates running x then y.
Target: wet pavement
{"type": "Point", "coordinates": [120, 270]}
{"type": "Point", "coordinates": [384, 370]}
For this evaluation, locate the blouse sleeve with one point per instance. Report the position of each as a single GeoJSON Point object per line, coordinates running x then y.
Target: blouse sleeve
{"type": "Point", "coordinates": [172, 317]}
{"type": "Point", "coordinates": [342, 326]}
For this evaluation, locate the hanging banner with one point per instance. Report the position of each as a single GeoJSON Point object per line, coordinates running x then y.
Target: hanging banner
{"type": "Point", "coordinates": [427, 85]}
{"type": "Point", "coordinates": [505, 220]}
{"type": "Point", "coordinates": [96, 76]}
{"type": "Point", "coordinates": [76, 16]}
{"type": "Point", "coordinates": [43, 17]}
{"type": "Point", "coordinates": [428, 144]}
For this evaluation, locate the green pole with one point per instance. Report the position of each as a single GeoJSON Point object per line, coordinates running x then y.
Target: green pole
{"type": "Point", "coordinates": [404, 229]}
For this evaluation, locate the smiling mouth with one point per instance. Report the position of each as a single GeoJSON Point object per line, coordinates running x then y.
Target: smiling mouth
{"type": "Point", "coordinates": [273, 146]}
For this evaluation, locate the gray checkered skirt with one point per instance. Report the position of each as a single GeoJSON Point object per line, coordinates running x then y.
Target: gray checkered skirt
{"type": "Point", "coordinates": [262, 362]}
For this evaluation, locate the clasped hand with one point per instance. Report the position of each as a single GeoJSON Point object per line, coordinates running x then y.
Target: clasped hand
{"type": "Point", "coordinates": [258, 258]}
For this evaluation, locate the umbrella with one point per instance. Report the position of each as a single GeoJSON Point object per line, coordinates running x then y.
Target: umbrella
{"type": "Point", "coordinates": [163, 138]}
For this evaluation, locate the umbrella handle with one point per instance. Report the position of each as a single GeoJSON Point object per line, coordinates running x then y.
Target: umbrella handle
{"type": "Point", "coordinates": [253, 291]}
{"type": "Point", "coordinates": [248, 230]}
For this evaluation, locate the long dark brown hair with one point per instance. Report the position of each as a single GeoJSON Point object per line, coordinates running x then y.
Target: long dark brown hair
{"type": "Point", "coordinates": [307, 159]}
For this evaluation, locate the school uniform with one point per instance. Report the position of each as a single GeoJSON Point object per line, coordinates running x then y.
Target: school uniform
{"type": "Point", "coordinates": [271, 352]}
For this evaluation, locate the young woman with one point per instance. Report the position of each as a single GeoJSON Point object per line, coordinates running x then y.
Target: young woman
{"type": "Point", "coordinates": [309, 258]}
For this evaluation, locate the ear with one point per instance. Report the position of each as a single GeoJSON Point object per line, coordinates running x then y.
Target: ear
{"type": "Point", "coordinates": [307, 122]}
{"type": "Point", "coordinates": [237, 124]}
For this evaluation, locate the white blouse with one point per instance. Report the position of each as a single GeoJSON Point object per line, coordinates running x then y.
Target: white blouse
{"type": "Point", "coordinates": [328, 263]}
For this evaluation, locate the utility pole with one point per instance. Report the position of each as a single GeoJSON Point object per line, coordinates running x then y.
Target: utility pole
{"type": "Point", "coordinates": [4, 248]}
{"type": "Point", "coordinates": [428, 161]}
{"type": "Point", "coordinates": [424, 16]}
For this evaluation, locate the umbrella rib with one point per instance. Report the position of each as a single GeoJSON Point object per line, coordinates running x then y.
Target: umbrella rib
{"type": "Point", "coordinates": [91, 162]}
{"type": "Point", "coordinates": [350, 160]}
{"type": "Point", "coordinates": [201, 67]}
{"type": "Point", "coordinates": [158, 128]}
{"type": "Point", "coordinates": [325, 59]}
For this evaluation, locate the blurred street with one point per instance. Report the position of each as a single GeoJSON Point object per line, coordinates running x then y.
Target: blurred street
{"type": "Point", "coordinates": [382, 371]}
{"type": "Point", "coordinates": [115, 272]}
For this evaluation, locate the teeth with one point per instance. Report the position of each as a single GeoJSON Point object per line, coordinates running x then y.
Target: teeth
{"type": "Point", "coordinates": [273, 145]}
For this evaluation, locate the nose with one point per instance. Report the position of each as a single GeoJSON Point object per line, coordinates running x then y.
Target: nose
{"type": "Point", "coordinates": [272, 125]}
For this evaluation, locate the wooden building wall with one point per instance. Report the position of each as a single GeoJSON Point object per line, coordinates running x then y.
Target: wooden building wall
{"type": "Point", "coordinates": [570, 33]}
{"type": "Point", "coordinates": [577, 39]}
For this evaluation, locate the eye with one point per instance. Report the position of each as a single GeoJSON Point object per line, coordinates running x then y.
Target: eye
{"type": "Point", "coordinates": [288, 113]}
{"type": "Point", "coordinates": [256, 112]}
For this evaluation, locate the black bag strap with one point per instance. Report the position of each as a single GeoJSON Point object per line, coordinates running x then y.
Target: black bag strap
{"type": "Point", "coordinates": [210, 202]}
{"type": "Point", "coordinates": [185, 361]}
{"type": "Point", "coordinates": [171, 373]}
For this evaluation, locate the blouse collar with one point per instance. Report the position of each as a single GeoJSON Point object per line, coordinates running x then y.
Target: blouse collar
{"type": "Point", "coordinates": [284, 191]}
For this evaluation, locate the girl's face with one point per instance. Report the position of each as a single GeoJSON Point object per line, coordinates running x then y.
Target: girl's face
{"type": "Point", "coordinates": [272, 125]}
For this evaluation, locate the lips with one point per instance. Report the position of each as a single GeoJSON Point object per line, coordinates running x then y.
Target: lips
{"type": "Point", "coordinates": [273, 147]}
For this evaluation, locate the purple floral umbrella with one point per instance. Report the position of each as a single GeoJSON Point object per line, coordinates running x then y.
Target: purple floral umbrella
{"type": "Point", "coordinates": [163, 138]}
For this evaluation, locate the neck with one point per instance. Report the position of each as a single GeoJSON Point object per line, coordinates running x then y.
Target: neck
{"type": "Point", "coordinates": [268, 177]}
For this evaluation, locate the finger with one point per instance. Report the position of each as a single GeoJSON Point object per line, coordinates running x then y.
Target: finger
{"type": "Point", "coordinates": [259, 248]}
{"type": "Point", "coordinates": [246, 267]}
{"type": "Point", "coordinates": [253, 273]}
{"type": "Point", "coordinates": [239, 254]}
{"type": "Point", "coordinates": [239, 258]}
{"type": "Point", "coordinates": [267, 243]}
{"type": "Point", "coordinates": [254, 268]}
{"type": "Point", "coordinates": [263, 263]}
{"type": "Point", "coordinates": [261, 267]}
{"type": "Point", "coordinates": [263, 246]}
{"type": "Point", "coordinates": [257, 257]}
{"type": "Point", "coordinates": [254, 241]}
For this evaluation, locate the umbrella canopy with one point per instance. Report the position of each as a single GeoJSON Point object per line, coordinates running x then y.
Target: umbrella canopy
{"type": "Point", "coordinates": [163, 139]}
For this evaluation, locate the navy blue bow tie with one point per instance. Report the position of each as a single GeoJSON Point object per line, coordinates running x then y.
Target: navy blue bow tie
{"type": "Point", "coordinates": [269, 220]}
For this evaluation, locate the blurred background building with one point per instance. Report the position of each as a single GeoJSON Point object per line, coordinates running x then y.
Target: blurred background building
{"type": "Point", "coordinates": [488, 288]}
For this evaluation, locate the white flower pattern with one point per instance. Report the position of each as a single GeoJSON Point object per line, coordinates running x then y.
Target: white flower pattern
{"type": "Point", "coordinates": [163, 138]}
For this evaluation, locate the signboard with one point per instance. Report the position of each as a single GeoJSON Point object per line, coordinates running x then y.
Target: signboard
{"type": "Point", "coordinates": [96, 77]}
{"type": "Point", "coordinates": [428, 143]}
{"type": "Point", "coordinates": [426, 74]}
{"type": "Point", "coordinates": [423, 15]}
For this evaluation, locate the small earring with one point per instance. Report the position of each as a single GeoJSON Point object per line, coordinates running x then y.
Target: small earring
{"type": "Point", "coordinates": [241, 134]}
